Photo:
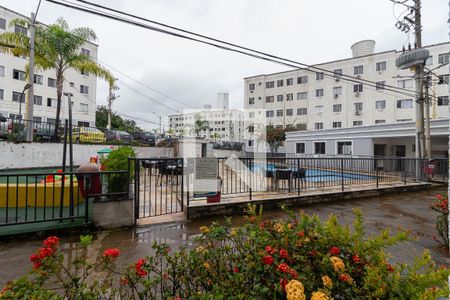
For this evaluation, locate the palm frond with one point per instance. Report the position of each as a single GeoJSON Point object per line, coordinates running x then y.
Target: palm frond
{"type": "Point", "coordinates": [62, 23]}
{"type": "Point", "coordinates": [14, 43]}
{"type": "Point", "coordinates": [86, 64]}
{"type": "Point", "coordinates": [86, 33]}
{"type": "Point", "coordinates": [18, 21]}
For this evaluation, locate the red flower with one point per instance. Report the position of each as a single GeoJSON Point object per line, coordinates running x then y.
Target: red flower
{"type": "Point", "coordinates": [267, 260]}
{"type": "Point", "coordinates": [34, 257]}
{"type": "Point", "coordinates": [235, 270]}
{"type": "Point", "coordinates": [138, 268]}
{"type": "Point", "coordinates": [283, 268]}
{"type": "Point", "coordinates": [269, 249]}
{"type": "Point", "coordinates": [300, 234]}
{"type": "Point", "coordinates": [439, 197]}
{"type": "Point", "coordinates": [51, 242]}
{"type": "Point", "coordinates": [111, 253]}
{"type": "Point", "coordinates": [37, 264]}
{"type": "Point", "coordinates": [262, 225]}
{"type": "Point", "coordinates": [293, 273]}
{"type": "Point", "coordinates": [389, 268]}
{"type": "Point", "coordinates": [45, 252]}
{"type": "Point", "coordinates": [284, 253]}
{"type": "Point", "coordinates": [344, 277]}
{"type": "Point", "coordinates": [177, 298]}
{"type": "Point", "coordinates": [313, 253]}
{"type": "Point", "coordinates": [283, 282]}
{"type": "Point", "coordinates": [335, 251]}
{"type": "Point", "coordinates": [356, 258]}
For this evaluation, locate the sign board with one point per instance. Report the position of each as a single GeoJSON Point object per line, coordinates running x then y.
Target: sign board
{"type": "Point", "coordinates": [206, 172]}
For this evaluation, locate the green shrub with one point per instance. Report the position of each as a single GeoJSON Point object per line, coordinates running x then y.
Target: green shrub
{"type": "Point", "coordinates": [115, 161]}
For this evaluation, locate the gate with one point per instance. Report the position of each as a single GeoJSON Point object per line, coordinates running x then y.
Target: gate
{"type": "Point", "coordinates": [158, 187]}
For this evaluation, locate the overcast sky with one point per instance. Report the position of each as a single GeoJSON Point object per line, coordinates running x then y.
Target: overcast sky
{"type": "Point", "coordinates": [303, 30]}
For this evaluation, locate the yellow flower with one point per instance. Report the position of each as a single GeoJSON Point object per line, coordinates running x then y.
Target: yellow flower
{"type": "Point", "coordinates": [319, 296]}
{"type": "Point", "coordinates": [200, 249]}
{"type": "Point", "coordinates": [233, 231]}
{"type": "Point", "coordinates": [296, 296]}
{"type": "Point", "coordinates": [278, 227]}
{"type": "Point", "coordinates": [338, 264]}
{"type": "Point", "coordinates": [327, 282]}
{"type": "Point", "coordinates": [206, 265]}
{"type": "Point", "coordinates": [306, 239]}
{"type": "Point", "coordinates": [204, 229]}
{"type": "Point", "coordinates": [293, 286]}
{"type": "Point", "coordinates": [290, 226]}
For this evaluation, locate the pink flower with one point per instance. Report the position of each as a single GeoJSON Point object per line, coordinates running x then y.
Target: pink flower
{"type": "Point", "coordinates": [439, 197]}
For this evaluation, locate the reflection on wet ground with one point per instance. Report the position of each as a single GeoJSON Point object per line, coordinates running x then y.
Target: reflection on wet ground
{"type": "Point", "coordinates": [408, 210]}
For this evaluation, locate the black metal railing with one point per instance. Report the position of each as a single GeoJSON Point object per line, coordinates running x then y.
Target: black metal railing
{"type": "Point", "coordinates": [56, 196]}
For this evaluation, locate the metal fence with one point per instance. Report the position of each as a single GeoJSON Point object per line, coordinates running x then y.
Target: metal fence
{"type": "Point", "coordinates": [56, 196]}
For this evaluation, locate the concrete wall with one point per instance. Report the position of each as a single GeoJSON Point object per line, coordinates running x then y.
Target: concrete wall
{"type": "Point", "coordinates": [113, 214]}
{"type": "Point", "coordinates": [34, 155]}
{"type": "Point", "coordinates": [226, 153]}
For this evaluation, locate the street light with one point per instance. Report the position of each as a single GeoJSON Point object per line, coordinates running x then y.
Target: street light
{"type": "Point", "coordinates": [22, 96]}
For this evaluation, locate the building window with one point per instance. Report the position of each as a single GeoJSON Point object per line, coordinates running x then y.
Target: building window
{"type": "Point", "coordinates": [289, 112]}
{"type": "Point", "coordinates": [319, 93]}
{"type": "Point", "coordinates": [51, 82]}
{"type": "Point", "coordinates": [279, 98]}
{"type": "Point", "coordinates": [444, 58]}
{"type": "Point", "coordinates": [300, 148]}
{"type": "Point", "coordinates": [405, 83]}
{"type": "Point", "coordinates": [2, 71]}
{"type": "Point", "coordinates": [15, 116]}
{"type": "Point", "coordinates": [318, 126]}
{"type": "Point", "coordinates": [337, 107]}
{"type": "Point", "coordinates": [289, 81]}
{"type": "Point", "coordinates": [379, 85]}
{"type": "Point", "coordinates": [380, 104]}
{"type": "Point", "coordinates": [16, 96]}
{"type": "Point", "coordinates": [300, 126]}
{"type": "Point", "coordinates": [337, 124]}
{"type": "Point", "coordinates": [269, 99]}
{"type": "Point", "coordinates": [443, 79]}
{"type": "Point", "coordinates": [84, 89]}
{"type": "Point", "coordinates": [380, 121]}
{"type": "Point", "coordinates": [250, 143]}
{"type": "Point", "coordinates": [358, 106]}
{"type": "Point", "coordinates": [319, 147]}
{"type": "Point", "coordinates": [19, 75]}
{"type": "Point", "coordinates": [37, 120]}
{"type": "Point", "coordinates": [84, 107]}
{"type": "Point", "coordinates": [269, 113]}
{"type": "Point", "coordinates": [38, 79]}
{"type": "Point", "coordinates": [20, 29]}
{"type": "Point", "coordinates": [429, 60]}
{"type": "Point", "coordinates": [404, 120]}
{"type": "Point", "coordinates": [358, 88]}
{"type": "Point", "coordinates": [319, 109]}
{"type": "Point", "coordinates": [320, 75]}
{"type": "Point", "coordinates": [302, 79]}
{"type": "Point", "coordinates": [280, 82]}
{"type": "Point", "coordinates": [270, 84]}
{"type": "Point", "coordinates": [51, 121]}
{"type": "Point", "coordinates": [337, 73]}
{"type": "Point", "coordinates": [251, 128]}
{"type": "Point", "coordinates": [251, 100]}
{"type": "Point", "coordinates": [289, 97]}
{"type": "Point", "coordinates": [279, 113]}
{"type": "Point", "coordinates": [357, 123]}
{"type": "Point", "coordinates": [2, 94]}
{"type": "Point", "coordinates": [337, 90]}
{"type": "Point", "coordinates": [85, 52]}
{"type": "Point", "coordinates": [83, 124]}
{"type": "Point", "coordinates": [381, 66]}
{"type": "Point", "coordinates": [405, 103]}
{"type": "Point", "coordinates": [344, 148]}
{"type": "Point", "coordinates": [2, 23]}
{"type": "Point", "coordinates": [302, 95]}
{"type": "Point", "coordinates": [251, 86]}
{"type": "Point", "coordinates": [37, 100]}
{"type": "Point", "coordinates": [358, 70]}
{"type": "Point", "coordinates": [302, 111]}
{"type": "Point", "coordinates": [442, 101]}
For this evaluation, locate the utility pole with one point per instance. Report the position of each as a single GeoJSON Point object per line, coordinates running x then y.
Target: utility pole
{"type": "Point", "coordinates": [427, 82]}
{"type": "Point", "coordinates": [111, 98]}
{"type": "Point", "coordinates": [69, 133]}
{"type": "Point", "coordinates": [30, 102]}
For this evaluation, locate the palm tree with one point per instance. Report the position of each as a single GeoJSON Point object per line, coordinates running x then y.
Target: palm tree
{"type": "Point", "coordinates": [215, 136]}
{"type": "Point", "coordinates": [57, 47]}
{"type": "Point", "coordinates": [200, 125]}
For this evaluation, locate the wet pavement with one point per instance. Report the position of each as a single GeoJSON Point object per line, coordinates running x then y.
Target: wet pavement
{"type": "Point", "coordinates": [409, 210]}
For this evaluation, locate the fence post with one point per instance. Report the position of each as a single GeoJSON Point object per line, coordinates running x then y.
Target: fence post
{"type": "Point", "coordinates": [342, 174]}
{"type": "Point", "coordinates": [404, 169]}
{"type": "Point", "coordinates": [376, 170]}
{"type": "Point", "coordinates": [136, 189]}
{"type": "Point", "coordinates": [86, 202]}
{"type": "Point", "coordinates": [298, 177]}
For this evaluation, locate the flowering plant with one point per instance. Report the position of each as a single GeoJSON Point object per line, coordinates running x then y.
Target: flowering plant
{"type": "Point", "coordinates": [300, 257]}
{"type": "Point", "coordinates": [441, 206]}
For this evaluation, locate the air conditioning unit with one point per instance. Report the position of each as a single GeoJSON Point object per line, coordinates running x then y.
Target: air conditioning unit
{"type": "Point", "coordinates": [337, 78]}
{"type": "Point", "coordinates": [358, 112]}
{"type": "Point", "coordinates": [336, 95]}
{"type": "Point", "coordinates": [357, 94]}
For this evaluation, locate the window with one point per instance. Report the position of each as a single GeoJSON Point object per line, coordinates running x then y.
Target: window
{"type": "Point", "coordinates": [51, 82]}
{"type": "Point", "coordinates": [19, 75]}
{"type": "Point", "coordinates": [358, 70]}
{"type": "Point", "coordinates": [443, 101]}
{"type": "Point", "coordinates": [380, 121]}
{"type": "Point", "coordinates": [337, 90]}
{"type": "Point", "coordinates": [302, 111]}
{"type": "Point", "coordinates": [20, 29]}
{"type": "Point", "coordinates": [319, 109]}
{"type": "Point", "coordinates": [337, 124]}
{"type": "Point", "coordinates": [289, 81]}
{"type": "Point", "coordinates": [319, 148]}
{"type": "Point", "coordinates": [53, 102]}
{"type": "Point", "coordinates": [269, 114]}
{"type": "Point", "coordinates": [251, 86]}
{"type": "Point", "coordinates": [318, 126]}
{"type": "Point", "coordinates": [379, 85]}
{"type": "Point", "coordinates": [38, 79]}
{"type": "Point", "coordinates": [280, 82]}
{"type": "Point", "coordinates": [337, 107]}
{"type": "Point", "coordinates": [300, 148]}
{"type": "Point", "coordinates": [84, 89]}
{"type": "Point", "coordinates": [15, 116]}
{"type": "Point", "coordinates": [289, 112]}
{"type": "Point", "coordinates": [429, 60]}
{"type": "Point", "coordinates": [2, 71]}
{"type": "Point", "coordinates": [289, 97]}
{"type": "Point", "coordinates": [279, 113]}
{"type": "Point", "coordinates": [279, 98]}
{"type": "Point", "coordinates": [357, 123]}
{"type": "Point", "coordinates": [380, 104]}
{"type": "Point", "coordinates": [319, 93]}
{"type": "Point", "coordinates": [250, 143]}
{"type": "Point", "coordinates": [85, 52]}
{"type": "Point", "coordinates": [358, 88]}
{"type": "Point", "coordinates": [405, 83]}
{"type": "Point", "coordinates": [344, 148]}
{"type": "Point", "coordinates": [2, 23]}
{"type": "Point", "coordinates": [84, 107]}
{"type": "Point", "coordinates": [443, 79]}
{"type": "Point", "coordinates": [300, 126]}
{"type": "Point", "coordinates": [251, 128]}
{"type": "Point", "coordinates": [405, 103]}
{"type": "Point", "coordinates": [37, 100]}
{"type": "Point", "coordinates": [51, 121]}
{"type": "Point", "coordinates": [270, 84]}
{"type": "Point", "coordinates": [251, 100]}
{"type": "Point", "coordinates": [337, 73]}
{"type": "Point", "coordinates": [302, 79]}
{"type": "Point", "coordinates": [358, 106]}
{"type": "Point", "coordinates": [320, 75]}
{"type": "Point", "coordinates": [37, 120]}
{"type": "Point", "coordinates": [251, 114]}
{"type": "Point", "coordinates": [404, 120]}
{"type": "Point", "coordinates": [381, 66]}
{"type": "Point", "coordinates": [16, 96]}
{"type": "Point", "coordinates": [302, 95]}
{"type": "Point", "coordinates": [83, 124]}
{"type": "Point", "coordinates": [2, 94]}
{"type": "Point", "coordinates": [269, 99]}
{"type": "Point", "coordinates": [444, 58]}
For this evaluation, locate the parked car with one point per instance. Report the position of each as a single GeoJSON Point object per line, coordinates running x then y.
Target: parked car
{"type": "Point", "coordinates": [87, 135]}
{"type": "Point", "coordinates": [119, 136]}
{"type": "Point", "coordinates": [45, 132]}
{"type": "Point", "coordinates": [147, 138]}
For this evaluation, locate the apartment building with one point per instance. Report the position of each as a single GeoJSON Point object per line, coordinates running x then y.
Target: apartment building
{"type": "Point", "coordinates": [317, 100]}
{"type": "Point", "coordinates": [13, 81]}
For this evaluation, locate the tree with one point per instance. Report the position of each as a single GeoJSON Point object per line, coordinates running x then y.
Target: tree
{"type": "Point", "coordinates": [57, 47]}
{"type": "Point", "coordinates": [275, 136]}
{"type": "Point", "coordinates": [200, 125]}
{"type": "Point", "coordinates": [117, 122]}
{"type": "Point", "coordinates": [215, 136]}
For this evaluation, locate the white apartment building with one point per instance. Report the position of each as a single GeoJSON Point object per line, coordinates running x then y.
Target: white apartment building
{"type": "Point", "coordinates": [314, 101]}
{"type": "Point", "coordinates": [12, 82]}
